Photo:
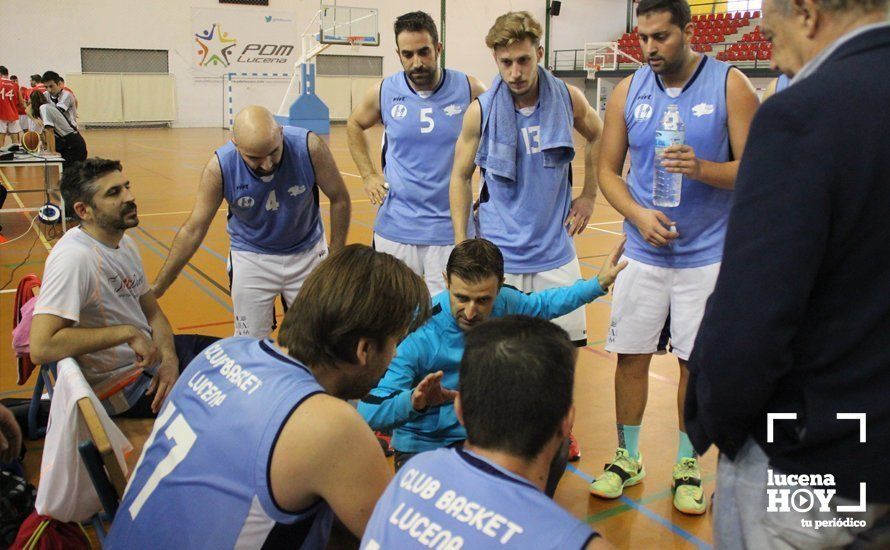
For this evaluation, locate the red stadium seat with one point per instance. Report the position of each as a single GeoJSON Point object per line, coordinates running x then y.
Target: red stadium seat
{"type": "Point", "coordinates": [710, 17]}
{"type": "Point", "coordinates": [764, 55]}
{"type": "Point", "coordinates": [756, 14]}
{"type": "Point", "coordinates": [737, 16]}
{"type": "Point", "coordinates": [720, 16]}
{"type": "Point", "coordinates": [747, 15]}
{"type": "Point", "coordinates": [721, 56]}
{"type": "Point", "coordinates": [749, 55]}
{"type": "Point", "coordinates": [707, 47]}
{"type": "Point", "coordinates": [732, 56]}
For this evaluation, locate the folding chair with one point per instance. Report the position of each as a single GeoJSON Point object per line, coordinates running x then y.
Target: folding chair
{"type": "Point", "coordinates": [101, 465]}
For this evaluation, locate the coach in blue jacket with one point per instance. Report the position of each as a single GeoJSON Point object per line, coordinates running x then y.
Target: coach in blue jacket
{"type": "Point", "coordinates": [799, 321]}
{"type": "Point", "coordinates": [413, 397]}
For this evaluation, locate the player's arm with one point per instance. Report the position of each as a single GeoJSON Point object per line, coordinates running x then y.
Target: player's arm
{"type": "Point", "coordinates": [190, 235]}
{"type": "Point", "coordinates": [49, 138]}
{"type": "Point", "coordinates": [162, 336]}
{"type": "Point", "coordinates": [589, 125]}
{"type": "Point", "coordinates": [741, 104]}
{"type": "Point", "coordinates": [653, 225]}
{"type": "Point", "coordinates": [54, 338]}
{"type": "Point", "coordinates": [393, 403]}
{"type": "Point", "coordinates": [330, 181]}
{"type": "Point", "coordinates": [326, 451]}
{"type": "Point", "coordinates": [49, 134]}
{"type": "Point", "coordinates": [770, 90]}
{"type": "Point", "coordinates": [556, 302]}
{"type": "Point", "coordinates": [460, 191]}
{"type": "Point", "coordinates": [365, 115]}
{"type": "Point", "coordinates": [477, 87]}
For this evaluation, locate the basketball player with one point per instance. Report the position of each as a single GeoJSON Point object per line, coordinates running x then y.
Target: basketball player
{"type": "Point", "coordinates": [37, 83]}
{"type": "Point", "coordinates": [257, 447]}
{"type": "Point", "coordinates": [10, 102]}
{"type": "Point", "coordinates": [413, 397]}
{"type": "Point", "coordinates": [58, 133]}
{"type": "Point", "coordinates": [95, 303]}
{"type": "Point", "coordinates": [269, 176]}
{"type": "Point", "coordinates": [489, 493]}
{"type": "Point", "coordinates": [673, 253]}
{"type": "Point", "coordinates": [23, 94]}
{"type": "Point", "coordinates": [60, 96]}
{"type": "Point", "coordinates": [526, 205]}
{"type": "Point", "coordinates": [421, 109]}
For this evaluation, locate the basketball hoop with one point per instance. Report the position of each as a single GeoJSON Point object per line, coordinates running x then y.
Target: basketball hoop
{"type": "Point", "coordinates": [354, 42]}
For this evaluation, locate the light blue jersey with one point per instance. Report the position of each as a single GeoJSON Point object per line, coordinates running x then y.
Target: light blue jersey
{"type": "Point", "coordinates": [203, 478]}
{"type": "Point", "coordinates": [418, 151]}
{"type": "Point", "coordinates": [704, 210]}
{"type": "Point", "coordinates": [525, 218]}
{"type": "Point", "coordinates": [453, 498]}
{"type": "Point", "coordinates": [782, 82]}
{"type": "Point", "coordinates": [278, 216]}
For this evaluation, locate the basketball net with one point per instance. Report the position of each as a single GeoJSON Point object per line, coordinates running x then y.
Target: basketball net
{"type": "Point", "coordinates": [353, 43]}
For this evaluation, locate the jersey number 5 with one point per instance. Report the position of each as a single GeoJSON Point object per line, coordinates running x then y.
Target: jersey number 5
{"type": "Point", "coordinates": [425, 118]}
{"type": "Point", "coordinates": [184, 437]}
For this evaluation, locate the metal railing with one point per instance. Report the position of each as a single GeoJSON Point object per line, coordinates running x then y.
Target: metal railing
{"type": "Point", "coordinates": [568, 60]}
{"type": "Point", "coordinates": [573, 60]}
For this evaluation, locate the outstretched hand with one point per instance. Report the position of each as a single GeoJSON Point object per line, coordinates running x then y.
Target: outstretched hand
{"type": "Point", "coordinates": [610, 270]}
{"type": "Point", "coordinates": [430, 392]}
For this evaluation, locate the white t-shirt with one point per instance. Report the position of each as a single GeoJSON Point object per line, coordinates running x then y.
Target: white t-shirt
{"type": "Point", "coordinates": [96, 286]}
{"type": "Point", "coordinates": [65, 102]}
{"type": "Point", "coordinates": [52, 117]}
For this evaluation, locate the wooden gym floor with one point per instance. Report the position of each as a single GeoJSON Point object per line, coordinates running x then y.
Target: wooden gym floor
{"type": "Point", "coordinates": [164, 166]}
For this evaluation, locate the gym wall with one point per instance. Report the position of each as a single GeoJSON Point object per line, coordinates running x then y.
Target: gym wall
{"type": "Point", "coordinates": [51, 37]}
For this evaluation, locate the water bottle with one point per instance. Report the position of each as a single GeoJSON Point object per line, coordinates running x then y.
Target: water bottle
{"type": "Point", "coordinates": [671, 131]}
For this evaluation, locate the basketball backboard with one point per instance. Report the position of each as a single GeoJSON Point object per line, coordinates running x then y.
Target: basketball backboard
{"type": "Point", "coordinates": [348, 25]}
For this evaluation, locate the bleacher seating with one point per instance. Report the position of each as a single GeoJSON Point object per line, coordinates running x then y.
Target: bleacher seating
{"type": "Point", "coordinates": [726, 36]}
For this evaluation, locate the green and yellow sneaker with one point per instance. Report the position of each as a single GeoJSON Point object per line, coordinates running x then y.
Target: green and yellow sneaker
{"type": "Point", "coordinates": [624, 471]}
{"type": "Point", "coordinates": [688, 495]}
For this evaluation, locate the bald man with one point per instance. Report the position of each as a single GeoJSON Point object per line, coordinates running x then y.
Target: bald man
{"type": "Point", "coordinates": [269, 177]}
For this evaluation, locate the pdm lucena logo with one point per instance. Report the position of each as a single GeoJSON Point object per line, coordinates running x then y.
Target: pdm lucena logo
{"type": "Point", "coordinates": [216, 47]}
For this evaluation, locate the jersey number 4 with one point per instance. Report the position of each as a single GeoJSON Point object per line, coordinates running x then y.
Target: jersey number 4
{"type": "Point", "coordinates": [183, 436]}
{"type": "Point", "coordinates": [272, 202]}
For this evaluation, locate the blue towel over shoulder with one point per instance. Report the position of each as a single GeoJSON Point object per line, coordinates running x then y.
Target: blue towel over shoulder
{"type": "Point", "coordinates": [497, 146]}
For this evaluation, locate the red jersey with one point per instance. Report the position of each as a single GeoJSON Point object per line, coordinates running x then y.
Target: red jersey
{"type": "Point", "coordinates": [9, 100]}
{"type": "Point", "coordinates": [25, 93]}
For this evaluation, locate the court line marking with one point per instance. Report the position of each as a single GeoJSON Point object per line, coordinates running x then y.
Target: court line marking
{"type": "Point", "coordinates": [604, 223]}
{"type": "Point", "coordinates": [22, 205]}
{"type": "Point", "coordinates": [601, 230]}
{"type": "Point", "coordinates": [203, 288]}
{"type": "Point", "coordinates": [639, 507]}
{"type": "Point", "coordinates": [14, 392]}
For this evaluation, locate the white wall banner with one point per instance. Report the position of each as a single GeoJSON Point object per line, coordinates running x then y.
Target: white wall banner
{"type": "Point", "coordinates": [233, 40]}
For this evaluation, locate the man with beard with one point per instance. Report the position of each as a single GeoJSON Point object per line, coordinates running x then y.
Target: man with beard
{"type": "Point", "coordinates": [413, 398]}
{"type": "Point", "coordinates": [257, 447]}
{"type": "Point", "coordinates": [421, 109]}
{"type": "Point", "coordinates": [673, 253]}
{"type": "Point", "coordinates": [95, 304]}
{"type": "Point", "coordinates": [269, 177]}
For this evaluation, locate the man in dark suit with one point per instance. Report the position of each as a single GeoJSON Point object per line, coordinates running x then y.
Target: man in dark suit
{"type": "Point", "coordinates": [799, 320]}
